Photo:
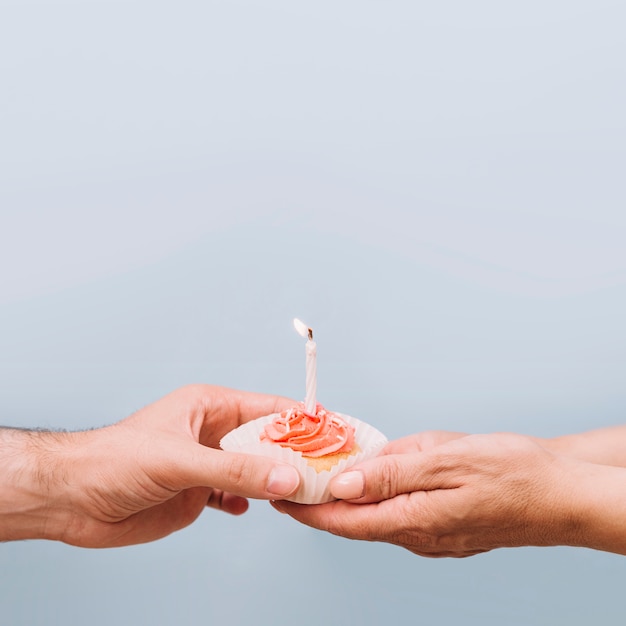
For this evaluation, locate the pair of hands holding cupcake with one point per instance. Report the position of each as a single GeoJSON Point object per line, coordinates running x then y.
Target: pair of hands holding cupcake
{"type": "Point", "coordinates": [434, 493]}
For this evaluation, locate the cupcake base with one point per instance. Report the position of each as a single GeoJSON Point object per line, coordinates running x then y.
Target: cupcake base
{"type": "Point", "coordinates": [315, 473]}
{"type": "Point", "coordinates": [327, 462]}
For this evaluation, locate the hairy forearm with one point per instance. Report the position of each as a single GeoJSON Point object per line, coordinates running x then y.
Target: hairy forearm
{"type": "Point", "coordinates": [605, 446]}
{"type": "Point", "coordinates": [28, 479]}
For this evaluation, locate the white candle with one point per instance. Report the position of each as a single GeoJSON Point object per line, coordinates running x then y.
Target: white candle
{"type": "Point", "coordinates": [311, 366]}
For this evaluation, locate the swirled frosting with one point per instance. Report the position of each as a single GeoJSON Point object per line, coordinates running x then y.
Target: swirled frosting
{"type": "Point", "coordinates": [313, 435]}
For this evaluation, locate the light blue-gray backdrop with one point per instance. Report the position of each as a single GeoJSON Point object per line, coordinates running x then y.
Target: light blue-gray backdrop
{"type": "Point", "coordinates": [438, 188]}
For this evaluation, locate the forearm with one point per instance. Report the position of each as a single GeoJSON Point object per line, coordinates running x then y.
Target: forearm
{"type": "Point", "coordinates": [605, 446]}
{"type": "Point", "coordinates": [28, 478]}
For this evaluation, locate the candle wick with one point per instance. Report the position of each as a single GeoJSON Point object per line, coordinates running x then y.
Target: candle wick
{"type": "Point", "coordinates": [310, 334]}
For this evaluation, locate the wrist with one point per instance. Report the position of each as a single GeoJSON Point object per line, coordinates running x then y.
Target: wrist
{"type": "Point", "coordinates": [552, 514]}
{"type": "Point", "coordinates": [604, 446]}
{"type": "Point", "coordinates": [600, 507]}
{"type": "Point", "coordinates": [586, 506]}
{"type": "Point", "coordinates": [31, 485]}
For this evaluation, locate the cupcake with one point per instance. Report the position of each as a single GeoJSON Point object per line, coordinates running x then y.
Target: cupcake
{"type": "Point", "coordinates": [319, 445]}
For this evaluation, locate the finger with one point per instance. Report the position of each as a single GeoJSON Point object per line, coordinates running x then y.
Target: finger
{"type": "Point", "coordinates": [404, 445]}
{"type": "Point", "coordinates": [227, 502]}
{"type": "Point", "coordinates": [411, 521]}
{"type": "Point", "coordinates": [421, 442]}
{"type": "Point", "coordinates": [455, 554]}
{"type": "Point", "coordinates": [389, 475]}
{"type": "Point", "coordinates": [213, 408]}
{"type": "Point", "coordinates": [240, 474]}
{"type": "Point", "coordinates": [371, 522]}
{"type": "Point", "coordinates": [254, 405]}
{"type": "Point", "coordinates": [146, 525]}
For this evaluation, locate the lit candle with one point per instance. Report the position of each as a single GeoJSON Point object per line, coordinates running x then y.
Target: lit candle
{"type": "Point", "coordinates": [311, 366]}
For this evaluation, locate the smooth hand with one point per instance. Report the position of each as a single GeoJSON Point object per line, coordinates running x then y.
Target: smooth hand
{"type": "Point", "coordinates": [140, 479]}
{"type": "Point", "coordinates": [443, 494]}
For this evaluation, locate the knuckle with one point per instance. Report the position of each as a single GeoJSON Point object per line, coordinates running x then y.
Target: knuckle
{"type": "Point", "coordinates": [236, 473]}
{"type": "Point", "coordinates": [387, 479]}
{"type": "Point", "coordinates": [193, 394]}
{"type": "Point", "coordinates": [419, 527]}
{"type": "Point", "coordinates": [215, 499]}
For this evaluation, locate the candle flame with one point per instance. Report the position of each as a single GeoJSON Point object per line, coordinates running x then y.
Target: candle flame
{"type": "Point", "coordinates": [302, 328]}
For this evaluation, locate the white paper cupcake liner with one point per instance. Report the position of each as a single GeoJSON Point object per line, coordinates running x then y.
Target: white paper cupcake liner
{"type": "Point", "coordinates": [314, 486]}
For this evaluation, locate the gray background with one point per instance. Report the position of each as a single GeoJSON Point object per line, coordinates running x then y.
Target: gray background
{"type": "Point", "coordinates": [437, 188]}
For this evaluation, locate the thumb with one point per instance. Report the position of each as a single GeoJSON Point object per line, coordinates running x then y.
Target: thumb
{"type": "Point", "coordinates": [390, 475]}
{"type": "Point", "coordinates": [246, 475]}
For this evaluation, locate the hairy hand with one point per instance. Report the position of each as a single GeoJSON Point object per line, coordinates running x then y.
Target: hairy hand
{"type": "Point", "coordinates": [154, 472]}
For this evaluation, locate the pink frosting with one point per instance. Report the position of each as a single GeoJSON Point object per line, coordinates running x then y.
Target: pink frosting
{"type": "Point", "coordinates": [313, 435]}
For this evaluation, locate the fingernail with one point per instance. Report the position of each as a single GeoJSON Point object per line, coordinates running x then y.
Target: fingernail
{"type": "Point", "coordinates": [283, 480]}
{"type": "Point", "coordinates": [348, 486]}
{"type": "Point", "coordinates": [277, 507]}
